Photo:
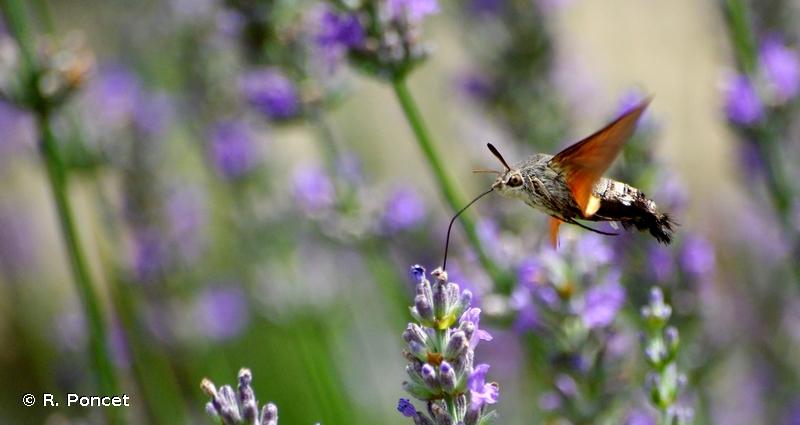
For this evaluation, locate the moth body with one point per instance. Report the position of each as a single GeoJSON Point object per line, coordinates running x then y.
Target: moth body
{"type": "Point", "coordinates": [570, 186]}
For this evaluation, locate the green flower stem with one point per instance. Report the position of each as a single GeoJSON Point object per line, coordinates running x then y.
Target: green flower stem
{"type": "Point", "coordinates": [101, 360]}
{"type": "Point", "coordinates": [89, 299]}
{"type": "Point", "coordinates": [451, 196]}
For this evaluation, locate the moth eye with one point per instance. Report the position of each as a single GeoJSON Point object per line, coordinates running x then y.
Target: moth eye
{"type": "Point", "coordinates": [515, 181]}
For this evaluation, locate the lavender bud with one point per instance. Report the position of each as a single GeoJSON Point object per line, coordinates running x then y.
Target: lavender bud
{"type": "Point", "coordinates": [672, 340]}
{"type": "Point", "coordinates": [423, 309]}
{"type": "Point", "coordinates": [468, 328]}
{"type": "Point", "coordinates": [447, 377]}
{"type": "Point", "coordinates": [418, 272]}
{"type": "Point", "coordinates": [440, 415]}
{"type": "Point", "coordinates": [464, 302]}
{"type": "Point", "coordinates": [247, 397]}
{"type": "Point", "coordinates": [429, 377]}
{"type": "Point", "coordinates": [566, 385]}
{"type": "Point", "coordinates": [229, 411]}
{"type": "Point", "coordinates": [406, 408]}
{"type": "Point", "coordinates": [458, 344]}
{"type": "Point", "coordinates": [472, 416]}
{"type": "Point", "coordinates": [418, 350]}
{"type": "Point", "coordinates": [415, 333]}
{"type": "Point", "coordinates": [440, 304]}
{"type": "Point", "coordinates": [422, 420]}
{"type": "Point", "coordinates": [269, 415]}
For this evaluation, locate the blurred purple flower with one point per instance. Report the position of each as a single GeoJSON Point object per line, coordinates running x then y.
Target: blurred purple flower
{"type": "Point", "coordinates": [222, 313]}
{"type": "Point", "coordinates": [602, 302]}
{"type": "Point", "coordinates": [404, 210]}
{"type": "Point", "coordinates": [17, 245]}
{"type": "Point", "coordinates": [473, 315]}
{"type": "Point", "coordinates": [116, 98]}
{"type": "Point", "coordinates": [412, 10]}
{"type": "Point", "coordinates": [313, 189]}
{"type": "Point", "coordinates": [594, 249]}
{"type": "Point", "coordinates": [406, 408]}
{"type": "Point", "coordinates": [481, 393]}
{"type": "Point", "coordinates": [70, 330]}
{"type": "Point", "coordinates": [527, 313]}
{"type": "Point", "coordinates": [186, 215]}
{"type": "Point", "coordinates": [118, 345]}
{"type": "Point", "coordinates": [17, 128]}
{"type": "Point", "coordinates": [489, 234]}
{"type": "Point", "coordinates": [149, 254]}
{"type": "Point", "coordinates": [530, 272]}
{"type": "Point", "coordinates": [781, 66]}
{"type": "Point", "coordinates": [697, 256]}
{"type": "Point", "coordinates": [485, 8]}
{"type": "Point", "coordinates": [232, 148]}
{"type": "Point", "coordinates": [272, 93]}
{"type": "Point", "coordinates": [336, 32]}
{"type": "Point", "coordinates": [639, 417]}
{"type": "Point", "coordinates": [742, 104]}
{"type": "Point", "coordinates": [112, 95]}
{"type": "Point", "coordinates": [661, 261]}
{"type": "Point", "coordinates": [475, 85]}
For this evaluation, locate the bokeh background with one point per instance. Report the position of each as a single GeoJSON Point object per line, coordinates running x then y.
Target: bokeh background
{"type": "Point", "coordinates": [247, 192]}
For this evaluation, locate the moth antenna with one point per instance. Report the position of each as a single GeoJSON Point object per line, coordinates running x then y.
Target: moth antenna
{"type": "Point", "coordinates": [497, 154]}
{"type": "Point", "coordinates": [482, 170]}
{"type": "Point", "coordinates": [452, 220]}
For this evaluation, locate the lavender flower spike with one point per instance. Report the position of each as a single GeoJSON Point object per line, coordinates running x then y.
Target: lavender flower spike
{"type": "Point", "coordinates": [440, 350]}
{"type": "Point", "coordinates": [238, 407]}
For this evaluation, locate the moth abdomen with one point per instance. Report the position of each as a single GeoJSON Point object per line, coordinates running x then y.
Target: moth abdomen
{"type": "Point", "coordinates": [632, 208]}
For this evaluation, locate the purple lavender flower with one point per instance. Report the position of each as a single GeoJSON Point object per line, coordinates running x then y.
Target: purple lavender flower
{"type": "Point", "coordinates": [475, 85]}
{"type": "Point", "coordinates": [238, 407]}
{"type": "Point", "coordinates": [117, 99]}
{"type": "Point", "coordinates": [522, 303]}
{"type": "Point", "coordinates": [404, 210]}
{"type": "Point", "coordinates": [186, 215]}
{"type": "Point", "coordinates": [413, 11]}
{"type": "Point", "coordinates": [17, 246]}
{"type": "Point", "coordinates": [697, 256]}
{"type": "Point", "coordinates": [440, 354]}
{"type": "Point", "coordinates": [781, 67]}
{"type": "Point", "coordinates": [222, 313]}
{"type": "Point", "coordinates": [742, 104]}
{"type": "Point", "coordinates": [473, 316]}
{"type": "Point", "coordinates": [232, 149]}
{"type": "Point", "coordinates": [272, 93]}
{"type": "Point", "coordinates": [336, 32]}
{"type": "Point", "coordinates": [313, 189]}
{"type": "Point", "coordinates": [485, 8]}
{"type": "Point", "coordinates": [112, 95]}
{"type": "Point", "coordinates": [602, 302]}
{"type": "Point", "coordinates": [482, 393]}
{"type": "Point", "coordinates": [530, 273]}
{"type": "Point", "coordinates": [406, 408]}
{"type": "Point", "coordinates": [639, 417]}
{"type": "Point", "coordinates": [662, 263]}
{"type": "Point", "coordinates": [150, 254]}
{"type": "Point", "coordinates": [17, 128]}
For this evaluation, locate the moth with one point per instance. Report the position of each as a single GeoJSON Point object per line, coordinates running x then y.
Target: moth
{"type": "Point", "coordinates": [569, 186]}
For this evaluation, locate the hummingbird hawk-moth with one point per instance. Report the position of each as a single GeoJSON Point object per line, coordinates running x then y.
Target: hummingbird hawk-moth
{"type": "Point", "coordinates": [569, 186]}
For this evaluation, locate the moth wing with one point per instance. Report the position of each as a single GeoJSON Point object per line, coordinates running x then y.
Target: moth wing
{"type": "Point", "coordinates": [585, 162]}
{"type": "Point", "coordinates": [554, 224]}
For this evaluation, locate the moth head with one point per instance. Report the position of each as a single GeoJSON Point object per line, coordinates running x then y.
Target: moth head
{"type": "Point", "coordinates": [509, 181]}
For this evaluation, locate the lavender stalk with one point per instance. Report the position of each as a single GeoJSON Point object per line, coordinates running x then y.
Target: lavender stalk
{"type": "Point", "coordinates": [661, 347]}
{"type": "Point", "coordinates": [440, 349]}
{"type": "Point", "coordinates": [43, 85]}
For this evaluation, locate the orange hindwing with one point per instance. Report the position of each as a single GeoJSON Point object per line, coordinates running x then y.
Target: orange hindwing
{"type": "Point", "coordinates": [585, 162]}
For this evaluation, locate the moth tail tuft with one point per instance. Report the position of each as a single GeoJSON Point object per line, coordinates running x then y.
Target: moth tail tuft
{"type": "Point", "coordinates": [662, 227]}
